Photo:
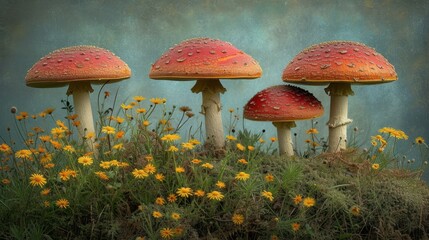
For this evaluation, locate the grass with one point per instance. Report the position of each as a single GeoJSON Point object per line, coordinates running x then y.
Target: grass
{"type": "Point", "coordinates": [149, 182]}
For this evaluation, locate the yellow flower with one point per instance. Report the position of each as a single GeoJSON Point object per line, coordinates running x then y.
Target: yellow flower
{"type": "Point", "coordinates": [146, 123]}
{"type": "Point", "coordinates": [184, 192]}
{"type": "Point", "coordinates": [399, 134]}
{"type": "Point", "coordinates": [160, 177]}
{"type": "Point", "coordinates": [45, 191]}
{"type": "Point", "coordinates": [194, 141]}
{"type": "Point", "coordinates": [171, 197]}
{"type": "Point", "coordinates": [37, 180]}
{"type": "Point", "coordinates": [118, 146]}
{"type": "Point", "coordinates": [85, 160]}
{"type": "Point", "coordinates": [199, 193]}
{"type": "Point", "coordinates": [24, 154]}
{"type": "Point", "coordinates": [297, 199]}
{"type": "Point", "coordinates": [44, 138]}
{"type": "Point", "coordinates": [170, 137]}
{"type": "Point", "coordinates": [139, 98]}
{"type": "Point", "coordinates": [139, 173]}
{"type": "Point", "coordinates": [172, 149]}
{"type": "Point", "coordinates": [242, 161]}
{"type": "Point", "coordinates": [58, 132]}
{"type": "Point", "coordinates": [196, 161]}
{"type": "Point", "coordinates": [180, 169]}
{"type": "Point", "coordinates": [250, 148]}
{"type": "Point", "coordinates": [62, 203]}
{"type": "Point", "coordinates": [240, 147]}
{"type": "Point", "coordinates": [309, 202]}
{"type": "Point", "coordinates": [69, 148]}
{"type": "Point", "coordinates": [261, 140]}
{"type": "Point", "coordinates": [158, 100]}
{"type": "Point", "coordinates": [141, 110]}
{"type": "Point", "coordinates": [312, 131]}
{"type": "Point", "coordinates": [215, 195]}
{"type": "Point", "coordinates": [126, 107]}
{"type": "Point", "coordinates": [119, 120]}
{"type": "Point", "coordinates": [207, 165]}
{"type": "Point", "coordinates": [188, 145]}
{"type": "Point", "coordinates": [242, 176]}
{"type": "Point", "coordinates": [273, 139]}
{"type": "Point", "coordinates": [175, 216]}
{"type": "Point", "coordinates": [102, 175]}
{"type": "Point", "coordinates": [237, 219]}
{"type": "Point", "coordinates": [166, 233]}
{"type": "Point", "coordinates": [295, 226]}
{"type": "Point", "coordinates": [375, 166]}
{"type": "Point", "coordinates": [157, 214]}
{"type": "Point", "coordinates": [105, 164]}
{"type": "Point", "coordinates": [419, 140]}
{"type": "Point", "coordinates": [268, 195]}
{"type": "Point", "coordinates": [5, 148]}
{"type": "Point", "coordinates": [5, 181]}
{"type": "Point", "coordinates": [269, 177]}
{"type": "Point", "coordinates": [150, 168]}
{"type": "Point", "coordinates": [160, 201]}
{"type": "Point", "coordinates": [90, 135]}
{"type": "Point", "coordinates": [231, 138]}
{"type": "Point", "coordinates": [55, 144]}
{"type": "Point", "coordinates": [220, 184]}
{"type": "Point", "coordinates": [355, 210]}
{"type": "Point", "coordinates": [108, 130]}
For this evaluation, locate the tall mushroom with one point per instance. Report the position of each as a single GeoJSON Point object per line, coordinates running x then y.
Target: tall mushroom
{"type": "Point", "coordinates": [78, 67]}
{"type": "Point", "coordinates": [206, 60]}
{"type": "Point", "coordinates": [283, 105]}
{"type": "Point", "coordinates": [339, 63]}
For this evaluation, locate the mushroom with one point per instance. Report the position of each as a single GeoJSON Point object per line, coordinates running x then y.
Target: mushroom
{"type": "Point", "coordinates": [339, 63]}
{"type": "Point", "coordinates": [78, 67]}
{"type": "Point", "coordinates": [283, 105]}
{"type": "Point", "coordinates": [206, 60]}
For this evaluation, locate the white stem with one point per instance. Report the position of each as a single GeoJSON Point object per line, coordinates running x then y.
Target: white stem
{"type": "Point", "coordinates": [284, 137]}
{"type": "Point", "coordinates": [82, 107]}
{"type": "Point", "coordinates": [338, 119]}
{"type": "Point", "coordinates": [211, 108]}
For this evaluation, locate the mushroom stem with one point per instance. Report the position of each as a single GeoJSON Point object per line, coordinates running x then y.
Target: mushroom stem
{"type": "Point", "coordinates": [82, 107]}
{"type": "Point", "coordinates": [211, 108]}
{"type": "Point", "coordinates": [338, 119]}
{"type": "Point", "coordinates": [284, 137]}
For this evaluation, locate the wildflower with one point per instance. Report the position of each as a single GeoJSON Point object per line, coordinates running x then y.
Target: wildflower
{"type": "Point", "coordinates": [102, 175]}
{"type": "Point", "coordinates": [419, 140]}
{"type": "Point", "coordinates": [268, 195]}
{"type": "Point", "coordinates": [150, 168]}
{"type": "Point", "coordinates": [231, 110]}
{"type": "Point", "coordinates": [139, 98]}
{"type": "Point", "coordinates": [46, 203]}
{"type": "Point", "coordinates": [37, 180]}
{"type": "Point", "coordinates": [207, 165]}
{"type": "Point", "coordinates": [220, 184]}
{"type": "Point", "coordinates": [58, 132]}
{"type": "Point", "coordinates": [215, 195]}
{"type": "Point", "coordinates": [237, 219]}
{"type": "Point", "coordinates": [108, 130]}
{"type": "Point", "coordinates": [194, 141]}
{"type": "Point", "coordinates": [297, 199]}
{"type": "Point", "coordinates": [185, 109]}
{"type": "Point", "coordinates": [312, 131]}
{"type": "Point", "coordinates": [242, 161]}
{"type": "Point", "coordinates": [180, 169]}
{"type": "Point", "coordinates": [160, 201]}
{"type": "Point", "coordinates": [274, 237]}
{"type": "Point", "coordinates": [188, 145]}
{"type": "Point", "coordinates": [170, 137]}
{"type": "Point", "coordinates": [69, 148]}
{"type": "Point", "coordinates": [231, 138]}
{"type": "Point", "coordinates": [140, 110]}
{"type": "Point", "coordinates": [261, 140]}
{"type": "Point", "coordinates": [24, 115]}
{"type": "Point", "coordinates": [160, 177]}
{"type": "Point", "coordinates": [49, 165]}
{"type": "Point", "coordinates": [295, 226]}
{"type": "Point", "coordinates": [250, 148]}
{"type": "Point", "coordinates": [242, 176]}
{"type": "Point", "coordinates": [119, 120]}
{"type": "Point", "coordinates": [45, 191]}
{"type": "Point", "coordinates": [5, 181]}
{"type": "Point", "coordinates": [90, 135]}
{"type": "Point", "coordinates": [157, 214]}
{"type": "Point", "coordinates": [118, 146]}
{"type": "Point", "coordinates": [5, 148]}
{"type": "Point", "coordinates": [64, 175]}
{"type": "Point", "coordinates": [62, 203]}
{"type": "Point", "coordinates": [184, 192]}
{"type": "Point", "coordinates": [199, 193]}
{"type": "Point", "coordinates": [240, 147]}
{"type": "Point", "coordinates": [172, 149]}
{"type": "Point", "coordinates": [146, 123]}
{"type": "Point", "coordinates": [158, 100]}
{"type": "Point", "coordinates": [105, 164]}
{"type": "Point", "coordinates": [163, 121]}
{"type": "Point", "coordinates": [126, 107]}
{"type": "Point", "coordinates": [72, 117]}
{"type": "Point", "coordinates": [189, 114]}
{"type": "Point", "coordinates": [44, 138]}
{"type": "Point", "coordinates": [175, 216]}
{"type": "Point", "coordinates": [49, 110]}
{"type": "Point", "coordinates": [171, 198]}
{"type": "Point", "coordinates": [355, 210]}
{"type": "Point", "coordinates": [76, 123]}
{"type": "Point", "coordinates": [309, 202]}
{"type": "Point", "coordinates": [269, 177]}
{"type": "Point", "coordinates": [374, 143]}
{"type": "Point", "coordinates": [85, 160]}
{"type": "Point", "coordinates": [399, 134]}
{"type": "Point", "coordinates": [273, 139]}
{"type": "Point", "coordinates": [119, 134]}
{"type": "Point", "coordinates": [166, 233]}
{"type": "Point", "coordinates": [140, 173]}
{"type": "Point", "coordinates": [375, 166]}
{"type": "Point", "coordinates": [24, 154]}
{"type": "Point", "coordinates": [196, 161]}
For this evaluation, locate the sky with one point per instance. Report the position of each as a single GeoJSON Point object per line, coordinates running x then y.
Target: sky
{"type": "Point", "coordinates": [272, 32]}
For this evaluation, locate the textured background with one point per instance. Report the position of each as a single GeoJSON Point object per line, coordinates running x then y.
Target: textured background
{"type": "Point", "coordinates": [273, 32]}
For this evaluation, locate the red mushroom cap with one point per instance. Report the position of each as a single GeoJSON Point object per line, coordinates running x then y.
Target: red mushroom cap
{"type": "Point", "coordinates": [283, 103]}
{"type": "Point", "coordinates": [77, 63]}
{"type": "Point", "coordinates": [339, 61]}
{"type": "Point", "coordinates": [204, 58]}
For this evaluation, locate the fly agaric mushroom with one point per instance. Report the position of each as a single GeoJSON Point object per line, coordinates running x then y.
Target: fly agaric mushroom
{"type": "Point", "coordinates": [206, 60]}
{"type": "Point", "coordinates": [283, 105]}
{"type": "Point", "coordinates": [78, 67]}
{"type": "Point", "coordinates": [339, 63]}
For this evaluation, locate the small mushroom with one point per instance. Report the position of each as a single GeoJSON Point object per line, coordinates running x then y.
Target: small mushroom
{"type": "Point", "coordinates": [283, 105]}
{"type": "Point", "coordinates": [339, 64]}
{"type": "Point", "coordinates": [78, 67]}
{"type": "Point", "coordinates": [206, 60]}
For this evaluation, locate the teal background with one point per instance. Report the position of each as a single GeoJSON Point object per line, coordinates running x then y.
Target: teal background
{"type": "Point", "coordinates": [273, 32]}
